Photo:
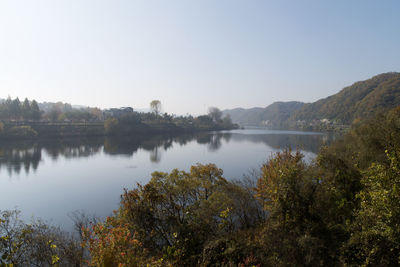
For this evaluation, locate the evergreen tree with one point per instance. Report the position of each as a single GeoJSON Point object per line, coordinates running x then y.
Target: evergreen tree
{"type": "Point", "coordinates": [36, 113]}
{"type": "Point", "coordinates": [26, 110]}
{"type": "Point", "coordinates": [15, 109]}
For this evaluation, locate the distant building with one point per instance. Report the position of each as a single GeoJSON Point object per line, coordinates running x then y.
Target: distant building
{"type": "Point", "coordinates": [117, 112]}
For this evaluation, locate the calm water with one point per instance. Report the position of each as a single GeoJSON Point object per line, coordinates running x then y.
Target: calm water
{"type": "Point", "coordinates": [50, 179]}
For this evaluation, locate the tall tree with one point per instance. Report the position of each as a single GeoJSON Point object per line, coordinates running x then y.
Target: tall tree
{"type": "Point", "coordinates": [36, 113]}
{"type": "Point", "coordinates": [15, 108]}
{"type": "Point", "coordinates": [26, 109]}
{"type": "Point", "coordinates": [155, 106]}
{"type": "Point", "coordinates": [215, 114]}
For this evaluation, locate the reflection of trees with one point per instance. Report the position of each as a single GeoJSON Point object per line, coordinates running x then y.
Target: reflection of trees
{"type": "Point", "coordinates": [130, 145]}
{"type": "Point", "coordinates": [25, 156]}
{"type": "Point", "coordinates": [155, 155]}
{"type": "Point", "coordinates": [213, 140]}
{"type": "Point", "coordinates": [121, 146]}
{"type": "Point", "coordinates": [18, 155]}
{"type": "Point", "coordinates": [154, 143]}
{"type": "Point", "coordinates": [72, 148]}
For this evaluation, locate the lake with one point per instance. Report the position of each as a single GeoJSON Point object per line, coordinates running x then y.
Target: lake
{"type": "Point", "coordinates": [49, 179]}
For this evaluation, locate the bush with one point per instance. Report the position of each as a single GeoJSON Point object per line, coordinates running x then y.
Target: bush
{"type": "Point", "coordinates": [175, 218]}
{"type": "Point", "coordinates": [35, 244]}
{"type": "Point", "coordinates": [22, 132]}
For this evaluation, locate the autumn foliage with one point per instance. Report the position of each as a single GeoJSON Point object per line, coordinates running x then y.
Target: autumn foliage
{"type": "Point", "coordinates": [342, 209]}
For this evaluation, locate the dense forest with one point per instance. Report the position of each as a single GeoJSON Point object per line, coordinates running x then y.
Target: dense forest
{"type": "Point", "coordinates": [361, 100]}
{"type": "Point", "coordinates": [358, 101]}
{"type": "Point", "coordinates": [343, 209]}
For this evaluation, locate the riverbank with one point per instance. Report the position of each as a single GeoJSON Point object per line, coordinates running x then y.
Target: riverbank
{"type": "Point", "coordinates": [33, 130]}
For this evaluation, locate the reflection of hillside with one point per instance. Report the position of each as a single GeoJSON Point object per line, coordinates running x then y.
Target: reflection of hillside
{"type": "Point", "coordinates": [311, 143]}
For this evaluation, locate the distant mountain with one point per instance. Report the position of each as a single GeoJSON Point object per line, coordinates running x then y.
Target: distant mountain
{"type": "Point", "coordinates": [359, 101]}
{"type": "Point", "coordinates": [245, 117]}
{"type": "Point", "coordinates": [274, 115]}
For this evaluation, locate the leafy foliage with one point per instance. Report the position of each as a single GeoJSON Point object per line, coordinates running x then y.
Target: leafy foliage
{"type": "Point", "coordinates": [155, 106]}
{"type": "Point", "coordinates": [113, 244]}
{"type": "Point", "coordinates": [343, 209]}
{"type": "Point", "coordinates": [340, 210]}
{"type": "Point", "coordinates": [22, 132]}
{"type": "Point", "coordinates": [175, 215]}
{"type": "Point", "coordinates": [376, 229]}
{"type": "Point", "coordinates": [36, 244]}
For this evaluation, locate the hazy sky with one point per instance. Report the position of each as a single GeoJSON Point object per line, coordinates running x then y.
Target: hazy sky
{"type": "Point", "coordinates": [193, 54]}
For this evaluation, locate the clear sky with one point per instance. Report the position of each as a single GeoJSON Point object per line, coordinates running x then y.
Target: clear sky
{"type": "Point", "coordinates": [193, 54]}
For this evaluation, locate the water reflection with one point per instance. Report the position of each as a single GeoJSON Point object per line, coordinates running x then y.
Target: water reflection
{"type": "Point", "coordinates": [72, 148]}
{"type": "Point", "coordinates": [306, 142]}
{"type": "Point", "coordinates": [27, 156]}
{"type": "Point", "coordinates": [213, 141]}
{"type": "Point", "coordinates": [155, 155]}
{"type": "Point", "coordinates": [23, 155]}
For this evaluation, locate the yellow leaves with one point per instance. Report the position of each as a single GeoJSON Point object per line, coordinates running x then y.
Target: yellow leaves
{"type": "Point", "coordinates": [53, 246]}
{"type": "Point", "coordinates": [225, 213]}
{"type": "Point", "coordinates": [5, 238]}
{"type": "Point", "coordinates": [55, 259]}
{"type": "Point", "coordinates": [281, 171]}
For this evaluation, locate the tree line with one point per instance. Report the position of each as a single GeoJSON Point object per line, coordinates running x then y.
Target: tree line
{"type": "Point", "coordinates": [116, 121]}
{"type": "Point", "coordinates": [15, 110]}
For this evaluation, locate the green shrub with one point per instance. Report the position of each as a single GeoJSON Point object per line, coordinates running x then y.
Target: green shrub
{"type": "Point", "coordinates": [36, 243]}
{"type": "Point", "coordinates": [23, 132]}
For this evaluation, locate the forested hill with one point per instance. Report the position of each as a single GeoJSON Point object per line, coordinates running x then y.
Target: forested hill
{"type": "Point", "coordinates": [359, 101]}
{"type": "Point", "coordinates": [272, 115]}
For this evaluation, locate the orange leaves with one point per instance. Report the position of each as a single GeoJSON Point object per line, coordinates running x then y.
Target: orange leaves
{"type": "Point", "coordinates": [113, 244]}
